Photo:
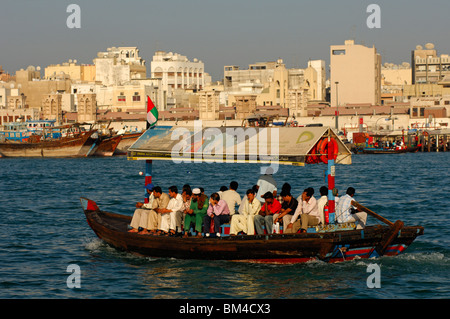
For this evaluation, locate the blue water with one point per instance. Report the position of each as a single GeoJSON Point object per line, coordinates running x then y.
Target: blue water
{"type": "Point", "coordinates": [44, 231]}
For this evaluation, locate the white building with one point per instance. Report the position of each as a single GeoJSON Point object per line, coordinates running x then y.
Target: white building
{"type": "Point", "coordinates": [176, 72]}
{"type": "Point", "coordinates": [119, 65]}
{"type": "Point", "coordinates": [319, 67]}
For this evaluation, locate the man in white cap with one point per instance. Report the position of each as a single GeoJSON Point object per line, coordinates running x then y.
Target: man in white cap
{"type": "Point", "coordinates": [196, 212]}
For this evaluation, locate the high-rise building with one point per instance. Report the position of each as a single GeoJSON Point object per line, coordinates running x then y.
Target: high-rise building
{"type": "Point", "coordinates": [355, 74]}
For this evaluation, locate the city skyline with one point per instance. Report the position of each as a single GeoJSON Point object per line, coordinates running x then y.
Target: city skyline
{"type": "Point", "coordinates": [217, 33]}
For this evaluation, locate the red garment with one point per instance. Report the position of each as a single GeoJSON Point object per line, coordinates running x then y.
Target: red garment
{"type": "Point", "coordinates": [275, 207]}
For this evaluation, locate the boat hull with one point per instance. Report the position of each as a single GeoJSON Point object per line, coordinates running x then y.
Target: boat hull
{"type": "Point", "coordinates": [108, 146]}
{"type": "Point", "coordinates": [125, 143]}
{"type": "Point", "coordinates": [64, 147]}
{"type": "Point", "coordinates": [389, 151]}
{"type": "Point", "coordinates": [277, 248]}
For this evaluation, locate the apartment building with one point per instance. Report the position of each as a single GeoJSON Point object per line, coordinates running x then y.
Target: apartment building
{"type": "Point", "coordinates": [355, 74]}
{"type": "Point", "coordinates": [427, 66]}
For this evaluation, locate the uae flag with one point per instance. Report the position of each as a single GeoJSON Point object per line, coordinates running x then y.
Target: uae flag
{"type": "Point", "coordinates": [152, 113]}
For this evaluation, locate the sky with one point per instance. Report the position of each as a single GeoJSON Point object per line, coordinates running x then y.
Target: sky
{"type": "Point", "coordinates": [219, 33]}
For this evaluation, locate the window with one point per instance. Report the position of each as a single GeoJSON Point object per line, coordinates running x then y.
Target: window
{"type": "Point", "coordinates": [121, 98]}
{"type": "Point", "coordinates": [136, 97]}
{"type": "Point", "coordinates": [338, 52]}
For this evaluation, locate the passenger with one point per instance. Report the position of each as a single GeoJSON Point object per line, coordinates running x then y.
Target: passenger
{"type": "Point", "coordinates": [231, 197]}
{"type": "Point", "coordinates": [187, 197]}
{"type": "Point", "coordinates": [288, 208]}
{"type": "Point", "coordinates": [218, 212]}
{"type": "Point", "coordinates": [265, 217]}
{"type": "Point", "coordinates": [336, 195]}
{"type": "Point", "coordinates": [346, 213]}
{"type": "Point", "coordinates": [186, 187]}
{"type": "Point", "coordinates": [244, 221]}
{"type": "Point", "coordinates": [139, 222]}
{"type": "Point", "coordinates": [266, 183]}
{"type": "Point", "coordinates": [196, 212]}
{"type": "Point", "coordinates": [160, 204]}
{"type": "Point", "coordinates": [322, 202]}
{"type": "Point", "coordinates": [168, 218]}
{"type": "Point", "coordinates": [308, 212]}
{"type": "Point", "coordinates": [287, 188]}
{"type": "Point", "coordinates": [222, 189]}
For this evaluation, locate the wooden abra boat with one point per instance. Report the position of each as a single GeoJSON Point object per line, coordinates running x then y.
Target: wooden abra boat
{"type": "Point", "coordinates": [338, 244]}
{"type": "Point", "coordinates": [300, 145]}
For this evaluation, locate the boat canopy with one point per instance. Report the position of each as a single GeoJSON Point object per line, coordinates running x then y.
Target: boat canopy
{"type": "Point", "coordinates": [282, 145]}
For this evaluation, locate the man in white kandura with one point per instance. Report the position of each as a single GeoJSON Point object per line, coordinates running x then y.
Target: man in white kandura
{"type": "Point", "coordinates": [139, 222]}
{"type": "Point", "coordinates": [169, 215]}
{"type": "Point", "coordinates": [244, 221]}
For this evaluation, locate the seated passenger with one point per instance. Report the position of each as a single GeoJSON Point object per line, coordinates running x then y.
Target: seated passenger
{"type": "Point", "coordinates": [160, 203]}
{"type": "Point", "coordinates": [139, 222]}
{"type": "Point", "coordinates": [232, 197]}
{"type": "Point", "coordinates": [196, 212]}
{"type": "Point", "coordinates": [288, 208]}
{"type": "Point", "coordinates": [346, 213]}
{"type": "Point", "coordinates": [265, 217]}
{"type": "Point", "coordinates": [187, 198]}
{"type": "Point", "coordinates": [244, 221]}
{"type": "Point", "coordinates": [168, 215]}
{"type": "Point", "coordinates": [322, 202]}
{"type": "Point", "coordinates": [218, 212]}
{"type": "Point", "coordinates": [266, 183]}
{"type": "Point", "coordinates": [308, 212]}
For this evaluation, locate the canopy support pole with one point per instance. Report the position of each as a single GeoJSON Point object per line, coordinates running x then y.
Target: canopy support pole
{"type": "Point", "coordinates": [331, 182]}
{"type": "Point", "coordinates": [148, 163]}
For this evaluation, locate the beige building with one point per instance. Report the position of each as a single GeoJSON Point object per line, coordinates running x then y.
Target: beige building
{"type": "Point", "coordinates": [209, 104]}
{"type": "Point", "coordinates": [275, 85]}
{"type": "Point", "coordinates": [355, 74]}
{"type": "Point", "coordinates": [52, 107]}
{"type": "Point", "coordinates": [76, 72]}
{"type": "Point", "coordinates": [427, 66]}
{"type": "Point", "coordinates": [87, 107]}
{"type": "Point", "coordinates": [35, 88]}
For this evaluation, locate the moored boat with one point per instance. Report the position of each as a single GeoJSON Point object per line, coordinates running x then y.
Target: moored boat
{"type": "Point", "coordinates": [127, 140]}
{"type": "Point", "coordinates": [70, 145]}
{"type": "Point", "coordinates": [107, 145]}
{"type": "Point", "coordinates": [381, 150]}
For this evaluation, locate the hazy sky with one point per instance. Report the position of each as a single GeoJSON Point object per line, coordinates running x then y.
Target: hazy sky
{"type": "Point", "coordinates": [227, 32]}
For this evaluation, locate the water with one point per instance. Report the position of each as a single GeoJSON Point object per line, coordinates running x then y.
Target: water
{"type": "Point", "coordinates": [44, 231]}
